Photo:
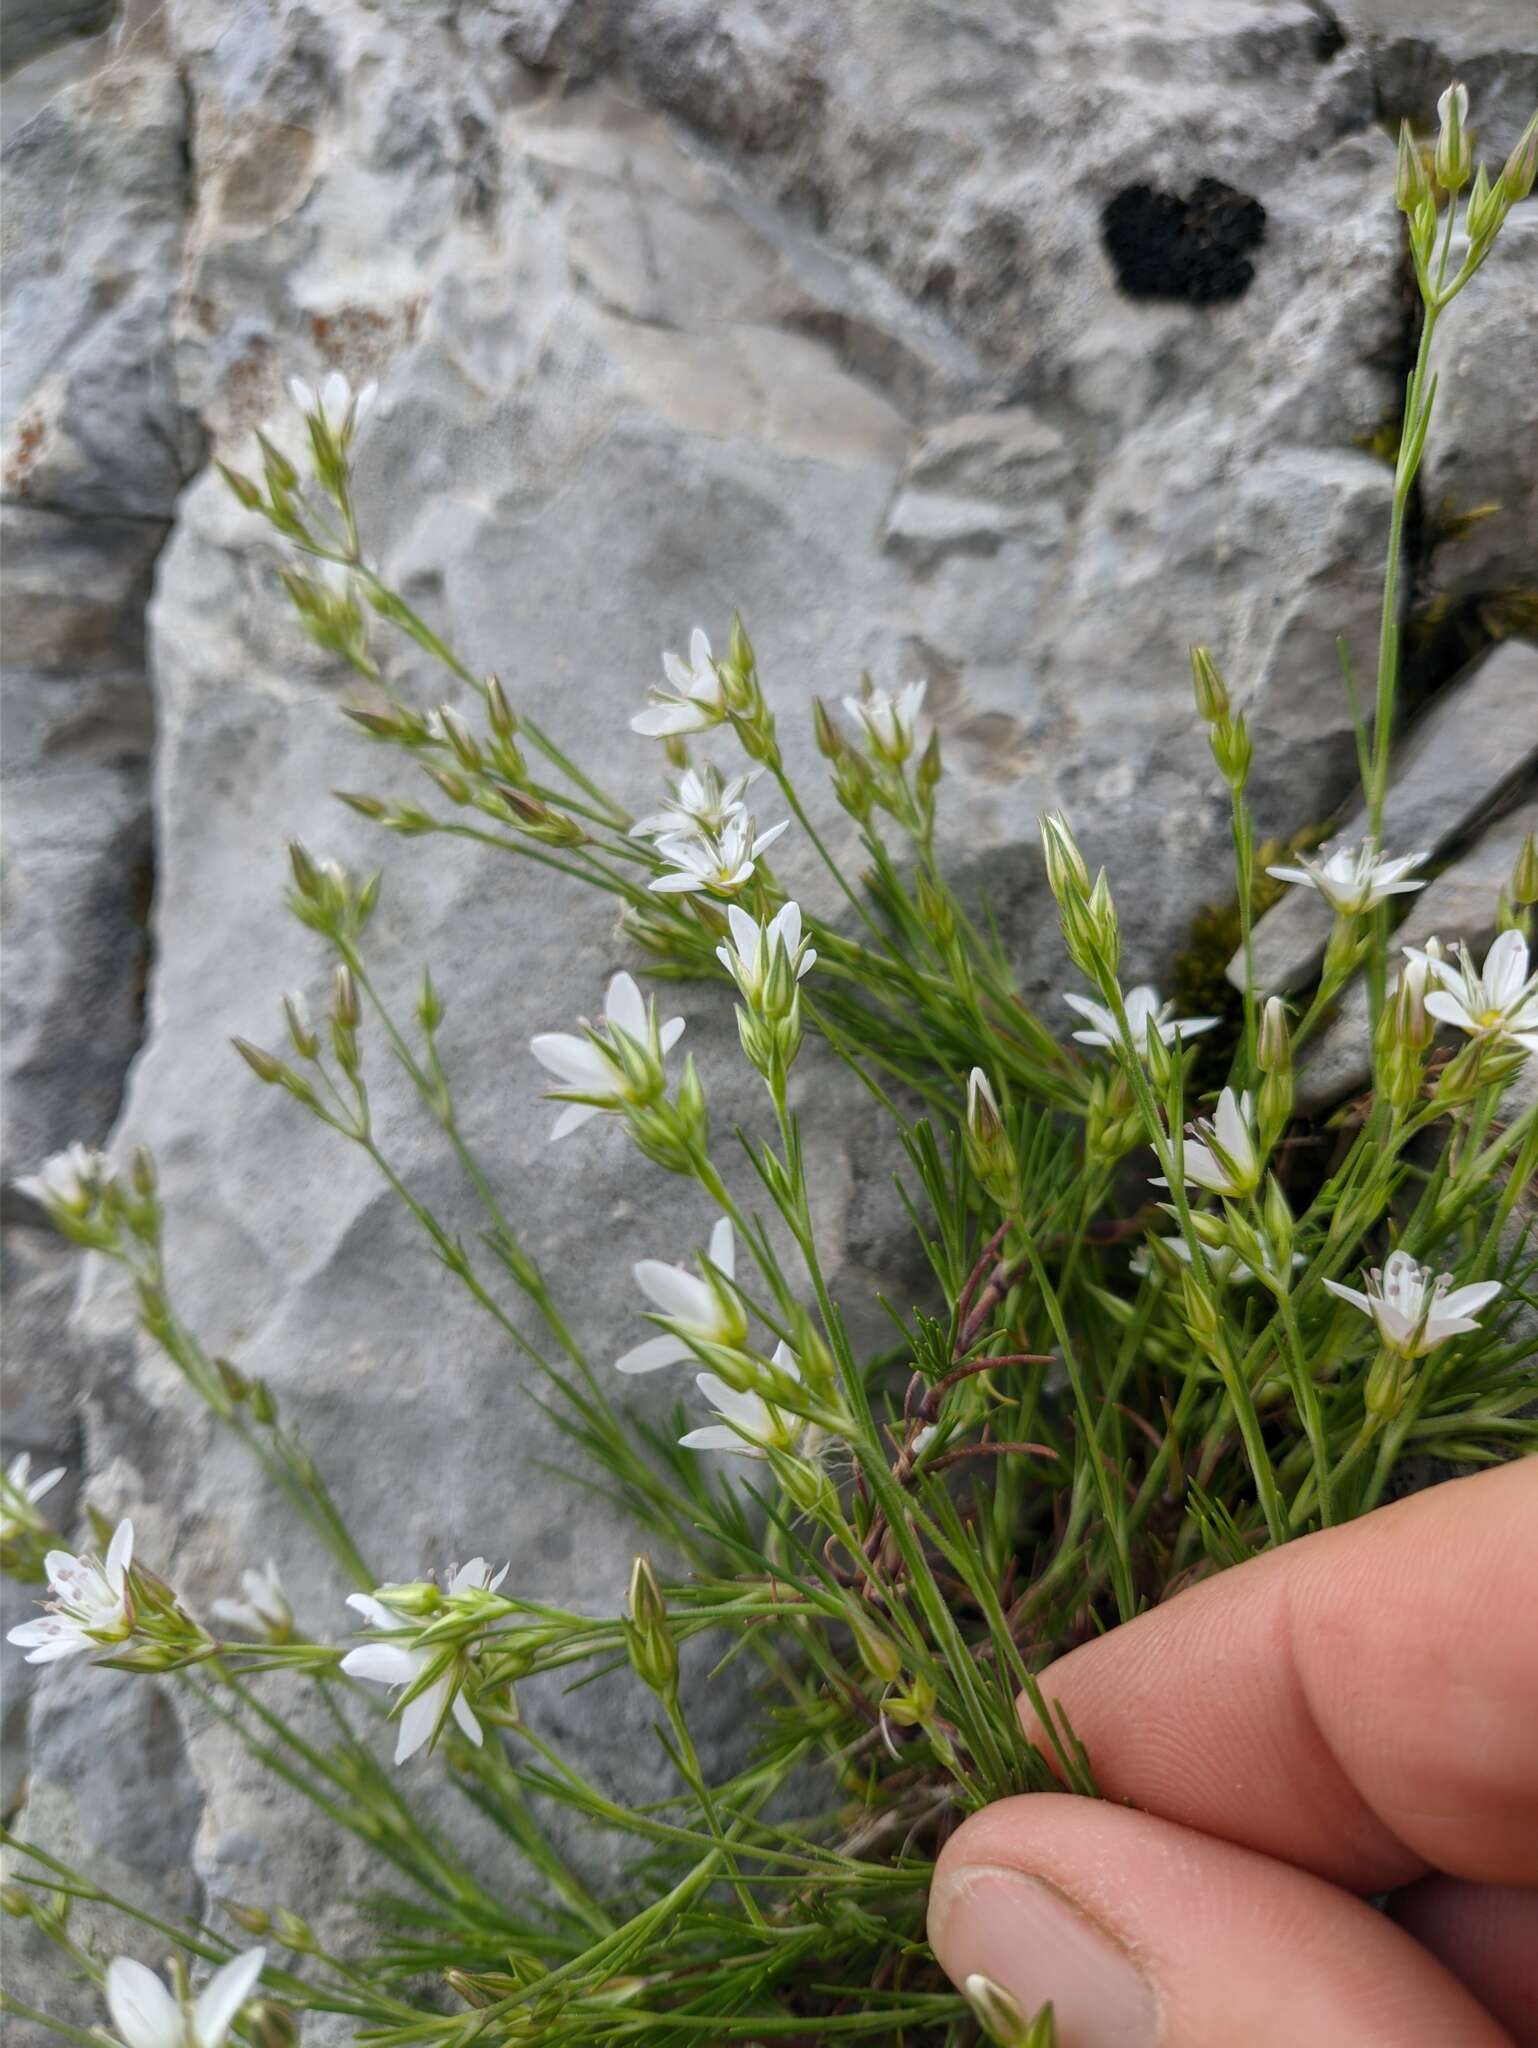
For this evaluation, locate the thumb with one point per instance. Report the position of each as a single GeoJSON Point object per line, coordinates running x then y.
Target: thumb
{"type": "Point", "coordinates": [1146, 1934]}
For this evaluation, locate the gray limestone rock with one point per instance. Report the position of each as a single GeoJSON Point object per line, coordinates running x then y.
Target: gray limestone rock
{"type": "Point", "coordinates": [675, 308]}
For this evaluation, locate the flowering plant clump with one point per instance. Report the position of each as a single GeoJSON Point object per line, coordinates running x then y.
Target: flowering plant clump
{"type": "Point", "coordinates": [1158, 1340]}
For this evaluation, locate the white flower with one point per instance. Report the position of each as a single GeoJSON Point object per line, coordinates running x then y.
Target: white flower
{"type": "Point", "coordinates": [890, 721]}
{"type": "Point", "coordinates": [1223, 1262]}
{"type": "Point", "coordinates": [338, 409]}
{"type": "Point", "coordinates": [701, 803]}
{"type": "Point", "coordinates": [1455, 101]}
{"type": "Point", "coordinates": [1500, 1001]}
{"type": "Point", "coordinates": [722, 864]}
{"type": "Point", "coordinates": [1143, 1007]}
{"type": "Point", "coordinates": [696, 701]}
{"type": "Point", "coordinates": [749, 1425]}
{"type": "Point", "coordinates": [592, 1075]}
{"type": "Point", "coordinates": [751, 953]}
{"type": "Point", "coordinates": [1413, 1310]}
{"type": "Point", "coordinates": [147, 2016]}
{"type": "Point", "coordinates": [91, 1604]}
{"type": "Point", "coordinates": [400, 1664]}
{"type": "Point", "coordinates": [1221, 1152]}
{"type": "Point", "coordinates": [265, 1610]}
{"type": "Point", "coordinates": [709, 1310]}
{"type": "Point", "coordinates": [1354, 878]}
{"type": "Point", "coordinates": [69, 1179]}
{"type": "Point", "coordinates": [20, 1483]}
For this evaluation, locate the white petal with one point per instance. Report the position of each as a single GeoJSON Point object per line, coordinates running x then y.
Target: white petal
{"type": "Point", "coordinates": [225, 1993]}
{"type": "Point", "coordinates": [746, 1409]}
{"type": "Point", "coordinates": [786, 1360]}
{"type": "Point", "coordinates": [383, 1663]}
{"type": "Point", "coordinates": [670, 1032]}
{"type": "Point", "coordinates": [785, 925]}
{"type": "Point", "coordinates": [744, 930]}
{"type": "Point", "coordinates": [715, 1436]}
{"type": "Point", "coordinates": [334, 395]}
{"type": "Point", "coordinates": [120, 1555]}
{"type": "Point", "coordinates": [625, 1006]}
{"type": "Point", "coordinates": [420, 1717]}
{"type": "Point", "coordinates": [675, 884]}
{"type": "Point", "coordinates": [1202, 1167]}
{"type": "Point", "coordinates": [677, 1293]}
{"type": "Point", "coordinates": [723, 1247]}
{"type": "Point", "coordinates": [1351, 1294]}
{"type": "Point", "coordinates": [1141, 1003]}
{"type": "Point", "coordinates": [1449, 1010]}
{"type": "Point", "coordinates": [372, 1610]}
{"type": "Point", "coordinates": [143, 2011]}
{"type": "Point", "coordinates": [576, 1061]}
{"type": "Point", "coordinates": [572, 1118]}
{"type": "Point", "coordinates": [466, 1719]}
{"type": "Point", "coordinates": [659, 721]}
{"type": "Point", "coordinates": [301, 394]}
{"type": "Point", "coordinates": [1466, 1301]}
{"type": "Point", "coordinates": [655, 1353]}
{"type": "Point", "coordinates": [1187, 1027]}
{"type": "Point", "coordinates": [1505, 968]}
{"type": "Point", "coordinates": [699, 650]}
{"type": "Point", "coordinates": [763, 840]}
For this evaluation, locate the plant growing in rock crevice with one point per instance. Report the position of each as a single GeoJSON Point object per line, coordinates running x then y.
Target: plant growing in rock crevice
{"type": "Point", "coordinates": [1101, 1398]}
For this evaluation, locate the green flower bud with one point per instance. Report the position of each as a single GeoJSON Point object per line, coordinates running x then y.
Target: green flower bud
{"type": "Point", "coordinates": [1524, 876]}
{"type": "Point", "coordinates": [1211, 695]}
{"type": "Point", "coordinates": [1411, 184]}
{"type": "Point", "coordinates": [1454, 157]}
{"type": "Point", "coordinates": [1521, 170]}
{"type": "Point", "coordinates": [653, 1653]}
{"type": "Point", "coordinates": [1273, 1049]}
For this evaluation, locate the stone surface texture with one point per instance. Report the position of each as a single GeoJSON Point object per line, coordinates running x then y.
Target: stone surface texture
{"type": "Point", "coordinates": [675, 307]}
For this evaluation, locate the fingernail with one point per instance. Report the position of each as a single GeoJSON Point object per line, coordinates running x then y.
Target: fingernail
{"type": "Point", "coordinates": [1032, 1939]}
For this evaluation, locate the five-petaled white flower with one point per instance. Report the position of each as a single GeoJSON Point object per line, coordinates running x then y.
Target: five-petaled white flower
{"type": "Point", "coordinates": [147, 2016]}
{"type": "Point", "coordinates": [22, 1487]}
{"type": "Point", "coordinates": [890, 721]}
{"type": "Point", "coordinates": [336, 406]}
{"type": "Point", "coordinates": [1353, 879]}
{"type": "Point", "coordinates": [749, 1424]}
{"type": "Point", "coordinates": [701, 803]}
{"type": "Point", "coordinates": [1143, 1008]}
{"type": "Point", "coordinates": [722, 863]}
{"type": "Point", "coordinates": [751, 953]}
{"type": "Point", "coordinates": [593, 1077]}
{"type": "Point", "coordinates": [1221, 1152]}
{"type": "Point", "coordinates": [69, 1179]}
{"type": "Point", "coordinates": [709, 1309]}
{"type": "Point", "coordinates": [696, 701]}
{"type": "Point", "coordinates": [1500, 1001]}
{"type": "Point", "coordinates": [1413, 1308]}
{"type": "Point", "coordinates": [398, 1664]}
{"type": "Point", "coordinates": [91, 1605]}
{"type": "Point", "coordinates": [265, 1610]}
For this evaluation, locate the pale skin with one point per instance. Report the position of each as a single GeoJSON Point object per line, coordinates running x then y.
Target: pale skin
{"type": "Point", "coordinates": [1355, 1715]}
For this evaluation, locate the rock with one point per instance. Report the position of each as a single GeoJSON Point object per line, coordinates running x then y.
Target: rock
{"type": "Point", "coordinates": [745, 309]}
{"type": "Point", "coordinates": [1417, 46]}
{"type": "Point", "coordinates": [30, 26]}
{"type": "Point", "coordinates": [1478, 485]}
{"type": "Point", "coordinates": [1459, 904]}
{"type": "Point", "coordinates": [1479, 738]}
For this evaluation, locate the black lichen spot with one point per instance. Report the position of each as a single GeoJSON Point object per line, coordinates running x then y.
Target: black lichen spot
{"type": "Point", "coordinates": [1165, 247]}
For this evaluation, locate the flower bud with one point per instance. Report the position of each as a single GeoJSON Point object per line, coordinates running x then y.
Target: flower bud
{"type": "Point", "coordinates": [499, 712]}
{"type": "Point", "coordinates": [989, 1152]}
{"type": "Point", "coordinates": [1454, 157]}
{"type": "Point", "coordinates": [1411, 184]}
{"type": "Point", "coordinates": [1485, 209]}
{"type": "Point", "coordinates": [1524, 876]}
{"type": "Point", "coordinates": [242, 486]}
{"type": "Point", "coordinates": [1521, 171]}
{"type": "Point", "coordinates": [344, 997]}
{"type": "Point", "coordinates": [262, 1064]}
{"type": "Point", "coordinates": [1066, 873]}
{"type": "Point", "coordinates": [1211, 695]}
{"type": "Point", "coordinates": [1002, 2017]}
{"type": "Point", "coordinates": [249, 1919]}
{"type": "Point", "coordinates": [416, 1598]}
{"type": "Point", "coordinates": [653, 1653]}
{"type": "Point", "coordinates": [830, 741]}
{"type": "Point", "coordinates": [911, 1709]}
{"type": "Point", "coordinates": [879, 1654]}
{"type": "Point", "coordinates": [1279, 1225]}
{"type": "Point", "coordinates": [1273, 1048]}
{"type": "Point", "coordinates": [1232, 750]}
{"type": "Point", "coordinates": [927, 774]}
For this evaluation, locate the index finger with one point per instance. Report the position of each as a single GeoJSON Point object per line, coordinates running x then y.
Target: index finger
{"type": "Point", "coordinates": [1362, 1703]}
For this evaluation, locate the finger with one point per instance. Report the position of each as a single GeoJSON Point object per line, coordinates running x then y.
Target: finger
{"type": "Point", "coordinates": [1487, 1935]}
{"type": "Point", "coordinates": [1144, 1934]}
{"type": "Point", "coordinates": [1361, 1702]}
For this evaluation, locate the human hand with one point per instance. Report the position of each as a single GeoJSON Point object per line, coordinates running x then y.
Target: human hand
{"type": "Point", "coordinates": [1354, 1714]}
